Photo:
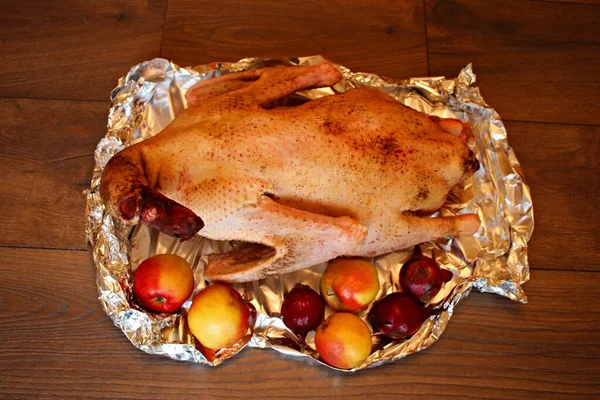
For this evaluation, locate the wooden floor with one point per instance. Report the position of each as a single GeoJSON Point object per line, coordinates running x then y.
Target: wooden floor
{"type": "Point", "coordinates": [538, 64]}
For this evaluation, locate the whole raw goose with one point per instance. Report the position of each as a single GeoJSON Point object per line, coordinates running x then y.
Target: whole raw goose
{"type": "Point", "coordinates": [345, 175]}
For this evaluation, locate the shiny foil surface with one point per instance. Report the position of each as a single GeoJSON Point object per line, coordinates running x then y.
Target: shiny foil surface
{"type": "Point", "coordinates": [494, 260]}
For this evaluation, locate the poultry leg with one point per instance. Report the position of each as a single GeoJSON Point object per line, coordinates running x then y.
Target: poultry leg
{"type": "Point", "coordinates": [278, 82]}
{"type": "Point", "coordinates": [303, 239]}
{"type": "Point", "coordinates": [418, 230]}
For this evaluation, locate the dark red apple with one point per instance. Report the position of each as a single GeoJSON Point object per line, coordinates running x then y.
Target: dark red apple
{"type": "Point", "coordinates": [422, 278]}
{"type": "Point", "coordinates": [398, 315]}
{"type": "Point", "coordinates": [302, 310]}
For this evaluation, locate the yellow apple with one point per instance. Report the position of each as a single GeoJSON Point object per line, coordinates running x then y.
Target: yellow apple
{"type": "Point", "coordinates": [349, 284]}
{"type": "Point", "coordinates": [218, 317]}
{"type": "Point", "coordinates": [343, 340]}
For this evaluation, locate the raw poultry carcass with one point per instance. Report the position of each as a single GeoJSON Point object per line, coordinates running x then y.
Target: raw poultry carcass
{"type": "Point", "coordinates": [345, 175]}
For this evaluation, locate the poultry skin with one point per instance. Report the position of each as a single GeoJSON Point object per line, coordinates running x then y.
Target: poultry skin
{"type": "Point", "coordinates": [344, 175]}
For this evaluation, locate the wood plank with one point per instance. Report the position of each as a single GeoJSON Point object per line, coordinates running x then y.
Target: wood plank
{"type": "Point", "coordinates": [46, 147]}
{"type": "Point", "coordinates": [75, 49]}
{"type": "Point", "coordinates": [574, 1]}
{"type": "Point", "coordinates": [363, 36]}
{"type": "Point", "coordinates": [61, 344]}
{"type": "Point", "coordinates": [536, 61]}
{"type": "Point", "coordinates": [561, 166]}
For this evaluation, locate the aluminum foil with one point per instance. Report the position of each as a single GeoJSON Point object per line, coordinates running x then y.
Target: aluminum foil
{"type": "Point", "coordinates": [494, 260]}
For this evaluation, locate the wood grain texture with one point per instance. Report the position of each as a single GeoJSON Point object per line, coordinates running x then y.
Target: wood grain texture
{"type": "Point", "coordinates": [74, 49]}
{"type": "Point", "coordinates": [574, 1]}
{"type": "Point", "coordinates": [562, 169]}
{"type": "Point", "coordinates": [46, 148]}
{"type": "Point", "coordinates": [536, 61]}
{"type": "Point", "coordinates": [60, 344]}
{"type": "Point", "coordinates": [387, 37]}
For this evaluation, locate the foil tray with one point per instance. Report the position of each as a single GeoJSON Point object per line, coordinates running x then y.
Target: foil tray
{"type": "Point", "coordinates": [494, 260]}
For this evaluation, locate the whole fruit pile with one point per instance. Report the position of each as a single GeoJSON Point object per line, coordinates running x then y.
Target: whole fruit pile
{"type": "Point", "coordinates": [220, 318]}
{"type": "Point", "coordinates": [400, 315]}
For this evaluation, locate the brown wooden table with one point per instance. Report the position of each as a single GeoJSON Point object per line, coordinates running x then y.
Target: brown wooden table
{"type": "Point", "coordinates": [537, 63]}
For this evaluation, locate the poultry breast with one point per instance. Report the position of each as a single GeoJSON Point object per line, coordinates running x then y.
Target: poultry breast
{"type": "Point", "coordinates": [344, 175]}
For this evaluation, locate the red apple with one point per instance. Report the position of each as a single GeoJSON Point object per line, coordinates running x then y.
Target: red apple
{"type": "Point", "coordinates": [343, 340]}
{"type": "Point", "coordinates": [218, 317]}
{"type": "Point", "coordinates": [422, 277]}
{"type": "Point", "coordinates": [162, 283]}
{"type": "Point", "coordinates": [349, 284]}
{"type": "Point", "coordinates": [398, 315]}
{"type": "Point", "coordinates": [302, 310]}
